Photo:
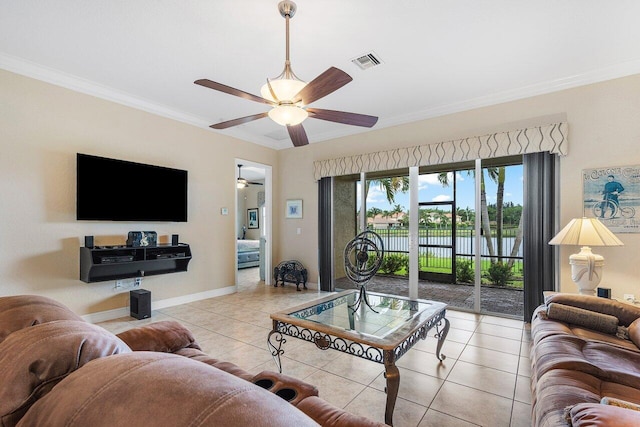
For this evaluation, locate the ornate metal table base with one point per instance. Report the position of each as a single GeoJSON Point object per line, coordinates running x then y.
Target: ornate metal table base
{"type": "Point", "coordinates": [276, 339]}
{"type": "Point", "coordinates": [362, 296]}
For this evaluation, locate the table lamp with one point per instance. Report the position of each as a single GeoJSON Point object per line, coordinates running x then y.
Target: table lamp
{"type": "Point", "coordinates": [586, 267]}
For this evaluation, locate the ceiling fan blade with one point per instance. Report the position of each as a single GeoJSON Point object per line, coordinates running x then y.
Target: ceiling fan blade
{"type": "Point", "coordinates": [240, 121]}
{"type": "Point", "coordinates": [343, 117]}
{"type": "Point", "coordinates": [254, 183]}
{"type": "Point", "coordinates": [326, 83]}
{"type": "Point", "coordinates": [298, 135]}
{"type": "Point", "coordinates": [232, 91]}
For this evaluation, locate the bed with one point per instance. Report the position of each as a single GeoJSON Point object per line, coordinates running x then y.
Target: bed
{"type": "Point", "coordinates": [248, 253]}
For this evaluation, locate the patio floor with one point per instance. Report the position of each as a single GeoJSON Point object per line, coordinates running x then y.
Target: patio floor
{"type": "Point", "coordinates": [495, 300]}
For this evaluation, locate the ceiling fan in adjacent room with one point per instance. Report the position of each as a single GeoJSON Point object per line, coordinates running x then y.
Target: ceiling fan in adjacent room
{"type": "Point", "coordinates": [242, 182]}
{"type": "Point", "coordinates": [289, 96]}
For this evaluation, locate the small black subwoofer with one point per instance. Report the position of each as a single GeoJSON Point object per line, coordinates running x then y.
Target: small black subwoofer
{"type": "Point", "coordinates": [140, 303]}
{"type": "Point", "coordinates": [604, 292]}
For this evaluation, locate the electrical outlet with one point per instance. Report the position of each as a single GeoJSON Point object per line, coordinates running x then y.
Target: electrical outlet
{"type": "Point", "coordinates": [119, 284]}
{"type": "Point", "coordinates": [629, 297]}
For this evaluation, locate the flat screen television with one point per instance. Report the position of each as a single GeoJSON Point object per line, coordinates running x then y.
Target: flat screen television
{"type": "Point", "coordinates": [117, 190]}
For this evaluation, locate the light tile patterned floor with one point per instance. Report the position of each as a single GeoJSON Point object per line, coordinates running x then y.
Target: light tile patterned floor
{"type": "Point", "coordinates": [483, 382]}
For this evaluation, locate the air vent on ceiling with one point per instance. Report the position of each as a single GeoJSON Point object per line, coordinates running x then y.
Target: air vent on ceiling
{"type": "Point", "coordinates": [368, 60]}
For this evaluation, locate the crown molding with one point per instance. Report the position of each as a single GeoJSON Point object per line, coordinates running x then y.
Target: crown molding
{"type": "Point", "coordinates": [78, 84]}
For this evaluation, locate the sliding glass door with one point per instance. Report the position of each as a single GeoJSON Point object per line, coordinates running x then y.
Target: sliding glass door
{"type": "Point", "coordinates": [468, 237]}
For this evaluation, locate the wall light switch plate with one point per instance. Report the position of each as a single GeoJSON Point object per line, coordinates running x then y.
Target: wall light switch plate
{"type": "Point", "coordinates": [629, 297]}
{"type": "Point", "coordinates": [224, 211]}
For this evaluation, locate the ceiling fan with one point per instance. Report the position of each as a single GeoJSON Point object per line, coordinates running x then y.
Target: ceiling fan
{"type": "Point", "coordinates": [289, 96]}
{"type": "Point", "coordinates": [242, 182]}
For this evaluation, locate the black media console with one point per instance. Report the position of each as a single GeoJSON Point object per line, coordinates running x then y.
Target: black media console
{"type": "Point", "coordinates": [103, 263]}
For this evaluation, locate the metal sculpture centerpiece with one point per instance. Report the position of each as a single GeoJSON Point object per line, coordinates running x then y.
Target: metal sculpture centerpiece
{"type": "Point", "coordinates": [362, 258]}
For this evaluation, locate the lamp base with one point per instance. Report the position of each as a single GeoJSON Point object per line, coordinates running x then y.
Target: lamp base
{"type": "Point", "coordinates": [586, 270]}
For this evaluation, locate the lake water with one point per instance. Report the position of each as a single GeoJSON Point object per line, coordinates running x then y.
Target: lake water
{"type": "Point", "coordinates": [464, 245]}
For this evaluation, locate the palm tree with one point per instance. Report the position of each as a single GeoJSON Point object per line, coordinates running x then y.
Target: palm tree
{"type": "Point", "coordinates": [443, 178]}
{"type": "Point", "coordinates": [516, 243]}
{"type": "Point", "coordinates": [373, 211]}
{"type": "Point", "coordinates": [500, 211]}
{"type": "Point", "coordinates": [390, 186]}
{"type": "Point", "coordinates": [397, 210]}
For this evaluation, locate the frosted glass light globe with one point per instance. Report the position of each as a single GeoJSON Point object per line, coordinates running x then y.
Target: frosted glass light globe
{"type": "Point", "coordinates": [285, 89]}
{"type": "Point", "coordinates": [290, 115]}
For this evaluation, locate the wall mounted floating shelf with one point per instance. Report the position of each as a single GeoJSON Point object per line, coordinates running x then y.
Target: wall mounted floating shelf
{"type": "Point", "coordinates": [104, 263]}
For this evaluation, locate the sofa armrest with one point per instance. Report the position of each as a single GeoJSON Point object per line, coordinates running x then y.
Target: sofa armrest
{"type": "Point", "coordinates": [328, 415]}
{"type": "Point", "coordinates": [167, 337]}
{"type": "Point", "coordinates": [625, 313]}
{"type": "Point", "coordinates": [290, 389]}
{"type": "Point", "coordinates": [231, 368]}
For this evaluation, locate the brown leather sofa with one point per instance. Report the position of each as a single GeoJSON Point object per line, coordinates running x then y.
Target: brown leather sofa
{"type": "Point", "coordinates": [585, 350]}
{"type": "Point", "coordinates": [57, 370]}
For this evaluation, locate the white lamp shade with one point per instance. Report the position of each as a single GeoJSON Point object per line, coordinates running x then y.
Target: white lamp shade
{"type": "Point", "coordinates": [285, 89]}
{"type": "Point", "coordinates": [288, 115]}
{"type": "Point", "coordinates": [586, 232]}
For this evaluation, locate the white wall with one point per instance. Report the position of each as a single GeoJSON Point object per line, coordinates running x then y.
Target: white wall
{"type": "Point", "coordinates": [42, 127]}
{"type": "Point", "coordinates": [604, 130]}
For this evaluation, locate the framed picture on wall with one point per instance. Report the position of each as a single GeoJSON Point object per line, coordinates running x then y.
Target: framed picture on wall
{"type": "Point", "coordinates": [294, 208]}
{"type": "Point", "coordinates": [612, 194]}
{"type": "Point", "coordinates": [252, 218]}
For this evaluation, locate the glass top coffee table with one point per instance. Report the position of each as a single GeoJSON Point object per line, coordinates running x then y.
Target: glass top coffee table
{"type": "Point", "coordinates": [382, 334]}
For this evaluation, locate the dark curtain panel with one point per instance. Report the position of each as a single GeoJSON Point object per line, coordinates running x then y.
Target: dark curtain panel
{"type": "Point", "coordinates": [538, 227]}
{"type": "Point", "coordinates": [325, 233]}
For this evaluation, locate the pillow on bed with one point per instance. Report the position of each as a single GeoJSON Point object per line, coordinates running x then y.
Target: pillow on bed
{"type": "Point", "coordinates": [585, 318]}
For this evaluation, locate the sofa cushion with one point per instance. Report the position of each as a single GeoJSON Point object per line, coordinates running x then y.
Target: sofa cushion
{"type": "Point", "coordinates": [587, 318]}
{"type": "Point", "coordinates": [626, 313]}
{"type": "Point", "coordinates": [604, 361]}
{"type": "Point", "coordinates": [143, 388]}
{"type": "Point", "coordinates": [33, 360]}
{"type": "Point", "coordinates": [559, 388]}
{"type": "Point", "coordinates": [21, 311]}
{"type": "Point", "coordinates": [597, 415]}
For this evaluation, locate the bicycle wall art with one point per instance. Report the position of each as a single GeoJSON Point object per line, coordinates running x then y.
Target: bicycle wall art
{"type": "Point", "coordinates": [612, 194]}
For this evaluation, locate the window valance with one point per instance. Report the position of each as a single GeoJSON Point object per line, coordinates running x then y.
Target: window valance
{"type": "Point", "coordinates": [551, 138]}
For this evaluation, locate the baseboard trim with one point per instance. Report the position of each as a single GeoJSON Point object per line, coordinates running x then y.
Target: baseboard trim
{"type": "Point", "coordinates": [103, 316]}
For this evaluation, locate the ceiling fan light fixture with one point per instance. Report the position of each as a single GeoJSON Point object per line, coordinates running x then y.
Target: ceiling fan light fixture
{"type": "Point", "coordinates": [285, 89]}
{"type": "Point", "coordinates": [288, 114]}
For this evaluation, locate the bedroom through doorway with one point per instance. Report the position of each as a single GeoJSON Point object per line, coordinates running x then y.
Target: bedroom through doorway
{"type": "Point", "coordinates": [253, 223]}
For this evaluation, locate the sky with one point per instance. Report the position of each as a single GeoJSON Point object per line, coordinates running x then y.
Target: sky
{"type": "Point", "coordinates": [430, 189]}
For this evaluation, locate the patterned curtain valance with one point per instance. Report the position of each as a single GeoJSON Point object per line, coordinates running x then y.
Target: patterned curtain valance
{"type": "Point", "coordinates": [551, 138]}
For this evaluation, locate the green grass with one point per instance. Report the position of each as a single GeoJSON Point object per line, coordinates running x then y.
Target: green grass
{"type": "Point", "coordinates": [517, 283]}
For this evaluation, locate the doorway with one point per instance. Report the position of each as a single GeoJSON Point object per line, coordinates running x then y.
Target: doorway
{"type": "Point", "coordinates": [253, 222]}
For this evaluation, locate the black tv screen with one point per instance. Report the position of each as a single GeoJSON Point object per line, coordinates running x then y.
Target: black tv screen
{"type": "Point", "coordinates": [117, 190]}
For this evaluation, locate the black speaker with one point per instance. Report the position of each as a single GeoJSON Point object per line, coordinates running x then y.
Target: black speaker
{"type": "Point", "coordinates": [174, 239]}
{"type": "Point", "coordinates": [604, 292]}
{"type": "Point", "coordinates": [88, 241]}
{"type": "Point", "coordinates": [140, 303]}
